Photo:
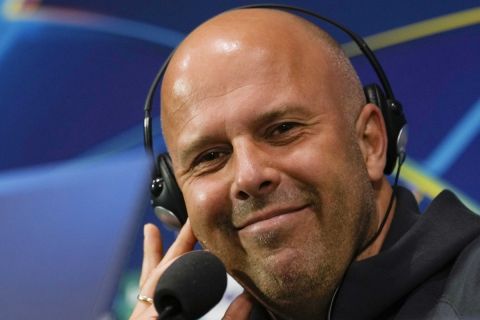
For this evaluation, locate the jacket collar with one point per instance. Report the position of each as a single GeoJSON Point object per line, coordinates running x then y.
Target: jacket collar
{"type": "Point", "coordinates": [417, 246]}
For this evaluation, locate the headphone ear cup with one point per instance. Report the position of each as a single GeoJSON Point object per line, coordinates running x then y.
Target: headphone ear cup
{"type": "Point", "coordinates": [167, 198]}
{"type": "Point", "coordinates": [395, 123]}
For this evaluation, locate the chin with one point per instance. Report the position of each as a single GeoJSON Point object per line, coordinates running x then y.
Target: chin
{"type": "Point", "coordinates": [287, 274]}
{"type": "Point", "coordinates": [284, 263]}
{"type": "Point", "coordinates": [284, 282]}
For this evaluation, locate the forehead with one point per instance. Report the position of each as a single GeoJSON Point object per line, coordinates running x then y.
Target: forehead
{"type": "Point", "coordinates": [227, 78]}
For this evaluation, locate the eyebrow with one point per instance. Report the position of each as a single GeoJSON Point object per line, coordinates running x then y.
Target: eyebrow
{"type": "Point", "coordinates": [279, 113]}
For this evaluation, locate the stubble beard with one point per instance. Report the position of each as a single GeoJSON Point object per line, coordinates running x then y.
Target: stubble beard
{"type": "Point", "coordinates": [311, 275]}
{"type": "Point", "coordinates": [309, 280]}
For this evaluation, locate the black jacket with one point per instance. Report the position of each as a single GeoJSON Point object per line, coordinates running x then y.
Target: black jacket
{"type": "Point", "coordinates": [429, 266]}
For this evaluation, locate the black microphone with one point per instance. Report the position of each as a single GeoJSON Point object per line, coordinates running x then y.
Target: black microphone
{"type": "Point", "coordinates": [190, 287]}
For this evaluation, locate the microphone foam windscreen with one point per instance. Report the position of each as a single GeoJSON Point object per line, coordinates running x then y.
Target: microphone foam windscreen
{"type": "Point", "coordinates": [193, 284]}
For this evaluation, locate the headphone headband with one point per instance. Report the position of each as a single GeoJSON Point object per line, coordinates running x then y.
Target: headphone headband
{"type": "Point", "coordinates": [362, 45]}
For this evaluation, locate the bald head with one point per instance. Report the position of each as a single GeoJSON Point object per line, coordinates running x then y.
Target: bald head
{"type": "Point", "coordinates": [219, 54]}
{"type": "Point", "coordinates": [258, 110]}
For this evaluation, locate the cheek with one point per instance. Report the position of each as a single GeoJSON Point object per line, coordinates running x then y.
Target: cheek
{"type": "Point", "coordinates": [314, 161]}
{"type": "Point", "coordinates": [329, 154]}
{"type": "Point", "coordinates": [207, 206]}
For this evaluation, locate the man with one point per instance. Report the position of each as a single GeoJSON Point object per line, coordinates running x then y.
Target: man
{"type": "Point", "coordinates": [280, 161]}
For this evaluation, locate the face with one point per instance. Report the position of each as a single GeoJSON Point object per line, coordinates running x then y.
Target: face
{"type": "Point", "coordinates": [272, 175]}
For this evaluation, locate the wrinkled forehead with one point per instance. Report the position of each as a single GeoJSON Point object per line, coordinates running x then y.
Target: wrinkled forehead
{"type": "Point", "coordinates": [221, 74]}
{"type": "Point", "coordinates": [214, 68]}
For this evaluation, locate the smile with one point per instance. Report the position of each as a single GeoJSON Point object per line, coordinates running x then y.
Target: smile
{"type": "Point", "coordinates": [269, 220]}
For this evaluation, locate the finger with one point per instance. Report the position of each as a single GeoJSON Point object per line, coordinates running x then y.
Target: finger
{"type": "Point", "coordinates": [152, 251]}
{"type": "Point", "coordinates": [185, 242]}
{"type": "Point", "coordinates": [152, 256]}
{"type": "Point", "coordinates": [150, 313]}
{"type": "Point", "coordinates": [240, 308]}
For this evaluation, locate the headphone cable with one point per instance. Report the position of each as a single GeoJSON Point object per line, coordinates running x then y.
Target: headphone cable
{"type": "Point", "coordinates": [401, 159]}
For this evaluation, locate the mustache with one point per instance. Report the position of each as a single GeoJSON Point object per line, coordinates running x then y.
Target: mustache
{"type": "Point", "coordinates": [304, 194]}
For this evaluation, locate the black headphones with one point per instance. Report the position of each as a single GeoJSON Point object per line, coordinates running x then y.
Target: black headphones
{"type": "Point", "coordinates": [167, 199]}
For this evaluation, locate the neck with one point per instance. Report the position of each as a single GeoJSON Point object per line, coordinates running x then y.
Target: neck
{"type": "Point", "coordinates": [318, 308]}
{"type": "Point", "coordinates": [384, 194]}
{"type": "Point", "coordinates": [300, 314]}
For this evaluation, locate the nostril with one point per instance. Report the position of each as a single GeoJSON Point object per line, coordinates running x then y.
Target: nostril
{"type": "Point", "coordinates": [264, 185]}
{"type": "Point", "coordinates": [242, 195]}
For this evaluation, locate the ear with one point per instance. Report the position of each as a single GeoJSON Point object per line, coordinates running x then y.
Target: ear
{"type": "Point", "coordinates": [372, 139]}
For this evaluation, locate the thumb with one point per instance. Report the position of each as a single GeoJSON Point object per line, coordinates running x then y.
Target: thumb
{"type": "Point", "coordinates": [240, 308]}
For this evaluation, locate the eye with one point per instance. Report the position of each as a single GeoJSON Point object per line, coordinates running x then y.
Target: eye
{"type": "Point", "coordinates": [284, 132]}
{"type": "Point", "coordinates": [210, 159]}
{"type": "Point", "coordinates": [283, 127]}
{"type": "Point", "coordinates": [209, 156]}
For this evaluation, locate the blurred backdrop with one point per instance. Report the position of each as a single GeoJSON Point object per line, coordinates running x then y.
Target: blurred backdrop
{"type": "Point", "coordinates": [74, 75]}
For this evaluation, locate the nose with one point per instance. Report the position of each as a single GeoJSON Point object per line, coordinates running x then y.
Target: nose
{"type": "Point", "coordinates": [255, 175]}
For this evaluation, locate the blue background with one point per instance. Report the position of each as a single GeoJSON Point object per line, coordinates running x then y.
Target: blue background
{"type": "Point", "coordinates": [74, 76]}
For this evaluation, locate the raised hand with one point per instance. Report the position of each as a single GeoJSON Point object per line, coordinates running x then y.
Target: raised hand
{"type": "Point", "coordinates": [154, 264]}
